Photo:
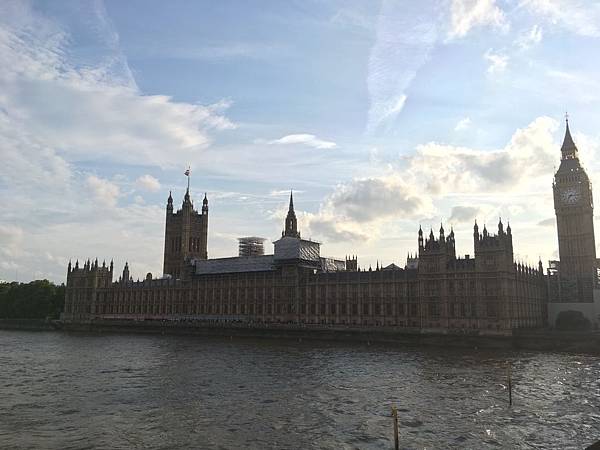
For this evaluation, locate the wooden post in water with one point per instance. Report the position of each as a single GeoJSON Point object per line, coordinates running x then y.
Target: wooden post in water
{"type": "Point", "coordinates": [509, 373]}
{"type": "Point", "coordinates": [395, 417]}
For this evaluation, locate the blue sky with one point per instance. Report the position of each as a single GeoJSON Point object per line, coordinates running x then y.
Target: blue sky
{"type": "Point", "coordinates": [381, 115]}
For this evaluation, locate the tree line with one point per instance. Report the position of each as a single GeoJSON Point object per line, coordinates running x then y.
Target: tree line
{"type": "Point", "coordinates": [39, 299]}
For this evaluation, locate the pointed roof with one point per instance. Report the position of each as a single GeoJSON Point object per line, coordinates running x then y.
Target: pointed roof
{"type": "Point", "coordinates": [291, 224]}
{"type": "Point", "coordinates": [568, 149]}
{"type": "Point", "coordinates": [291, 208]}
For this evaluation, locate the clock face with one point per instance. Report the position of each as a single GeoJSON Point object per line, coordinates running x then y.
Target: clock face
{"type": "Point", "coordinates": [570, 196]}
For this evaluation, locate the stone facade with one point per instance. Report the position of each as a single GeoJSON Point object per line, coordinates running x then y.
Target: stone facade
{"type": "Point", "coordinates": [434, 291]}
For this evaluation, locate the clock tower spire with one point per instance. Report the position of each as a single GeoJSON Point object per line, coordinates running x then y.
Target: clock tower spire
{"type": "Point", "coordinates": [574, 208]}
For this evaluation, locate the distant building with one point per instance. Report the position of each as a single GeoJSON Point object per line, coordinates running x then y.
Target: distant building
{"type": "Point", "coordinates": [573, 281]}
{"type": "Point", "coordinates": [436, 291]}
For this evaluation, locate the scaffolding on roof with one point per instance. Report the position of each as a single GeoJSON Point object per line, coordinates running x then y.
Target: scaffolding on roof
{"type": "Point", "coordinates": [251, 246]}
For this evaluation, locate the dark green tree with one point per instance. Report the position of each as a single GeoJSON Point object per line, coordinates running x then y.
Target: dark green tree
{"type": "Point", "coordinates": [38, 299]}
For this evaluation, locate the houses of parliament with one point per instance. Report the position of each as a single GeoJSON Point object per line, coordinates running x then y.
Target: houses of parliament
{"type": "Point", "coordinates": [436, 290]}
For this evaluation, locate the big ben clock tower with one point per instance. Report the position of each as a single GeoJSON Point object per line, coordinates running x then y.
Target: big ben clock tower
{"type": "Point", "coordinates": [574, 209]}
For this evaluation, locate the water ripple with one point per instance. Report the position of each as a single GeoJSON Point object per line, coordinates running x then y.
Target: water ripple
{"type": "Point", "coordinates": [159, 392]}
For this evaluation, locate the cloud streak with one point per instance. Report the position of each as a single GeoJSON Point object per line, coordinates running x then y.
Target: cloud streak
{"type": "Point", "coordinates": [468, 14]}
{"type": "Point", "coordinates": [148, 183]}
{"type": "Point", "coordinates": [405, 37]}
{"type": "Point", "coordinates": [309, 140]}
{"type": "Point", "coordinates": [576, 16]}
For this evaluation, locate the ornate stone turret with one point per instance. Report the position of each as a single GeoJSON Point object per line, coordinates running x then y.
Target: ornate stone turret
{"type": "Point", "coordinates": [82, 287]}
{"type": "Point", "coordinates": [170, 203]}
{"type": "Point", "coordinates": [125, 277]}
{"type": "Point", "coordinates": [498, 249]}
{"type": "Point", "coordinates": [434, 254]}
{"type": "Point", "coordinates": [351, 263]}
{"type": "Point", "coordinates": [205, 205]}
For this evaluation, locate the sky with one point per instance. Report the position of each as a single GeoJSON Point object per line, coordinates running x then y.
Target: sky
{"type": "Point", "coordinates": [382, 116]}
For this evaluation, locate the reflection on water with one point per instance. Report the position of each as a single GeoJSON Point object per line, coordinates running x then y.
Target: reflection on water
{"type": "Point", "coordinates": [156, 392]}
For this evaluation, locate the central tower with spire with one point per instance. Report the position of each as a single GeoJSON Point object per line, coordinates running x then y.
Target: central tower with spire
{"type": "Point", "coordinates": [574, 208]}
{"type": "Point", "coordinates": [291, 223]}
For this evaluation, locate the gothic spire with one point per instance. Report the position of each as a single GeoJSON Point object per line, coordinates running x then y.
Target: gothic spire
{"type": "Point", "coordinates": [291, 224]}
{"type": "Point", "coordinates": [568, 149]}
{"type": "Point", "coordinates": [205, 204]}
{"type": "Point", "coordinates": [170, 203]}
{"type": "Point", "coordinates": [291, 208]}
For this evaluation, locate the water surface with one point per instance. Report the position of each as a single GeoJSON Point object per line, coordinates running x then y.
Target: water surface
{"type": "Point", "coordinates": [77, 391]}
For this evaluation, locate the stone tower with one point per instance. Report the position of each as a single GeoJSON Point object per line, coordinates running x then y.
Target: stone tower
{"type": "Point", "coordinates": [574, 207]}
{"type": "Point", "coordinates": [434, 254]}
{"type": "Point", "coordinates": [186, 235]}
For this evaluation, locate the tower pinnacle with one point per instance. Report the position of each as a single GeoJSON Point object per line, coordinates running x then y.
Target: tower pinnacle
{"type": "Point", "coordinates": [568, 149]}
{"type": "Point", "coordinates": [291, 223]}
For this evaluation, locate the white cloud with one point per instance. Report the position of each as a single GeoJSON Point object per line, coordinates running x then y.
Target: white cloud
{"type": "Point", "coordinates": [405, 36]}
{"type": "Point", "coordinates": [60, 105]}
{"type": "Point", "coordinates": [498, 61]}
{"type": "Point", "coordinates": [530, 38]}
{"type": "Point", "coordinates": [360, 209]}
{"type": "Point", "coordinates": [92, 109]}
{"type": "Point", "coordinates": [11, 240]}
{"type": "Point", "coordinates": [464, 214]}
{"type": "Point", "coordinates": [463, 124]}
{"type": "Point", "coordinates": [305, 139]}
{"type": "Point", "coordinates": [103, 190]}
{"type": "Point", "coordinates": [468, 14]}
{"type": "Point", "coordinates": [356, 210]}
{"type": "Point", "coordinates": [148, 183]}
{"type": "Point", "coordinates": [581, 17]}
{"type": "Point", "coordinates": [531, 153]}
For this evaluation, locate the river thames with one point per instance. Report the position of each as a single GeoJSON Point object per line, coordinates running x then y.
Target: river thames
{"type": "Point", "coordinates": [79, 391]}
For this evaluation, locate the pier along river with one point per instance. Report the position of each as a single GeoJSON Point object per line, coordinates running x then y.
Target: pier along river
{"type": "Point", "coordinates": [75, 391]}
